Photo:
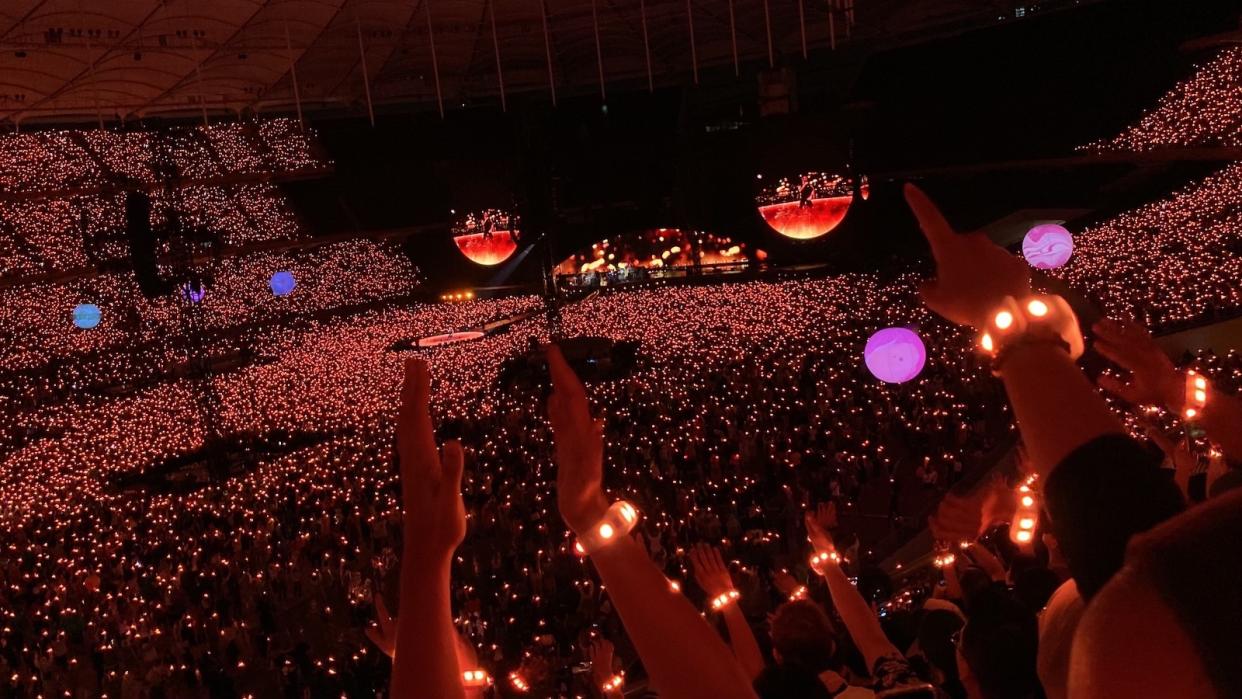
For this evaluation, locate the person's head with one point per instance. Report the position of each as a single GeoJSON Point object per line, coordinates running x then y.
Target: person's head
{"type": "Point", "coordinates": [802, 636]}
{"type": "Point", "coordinates": [1166, 623]}
{"type": "Point", "coordinates": [936, 632]}
{"type": "Point", "coordinates": [790, 682]}
{"type": "Point", "coordinates": [996, 656]}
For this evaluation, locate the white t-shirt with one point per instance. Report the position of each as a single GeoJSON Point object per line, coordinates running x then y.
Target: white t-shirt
{"type": "Point", "coordinates": [1057, 624]}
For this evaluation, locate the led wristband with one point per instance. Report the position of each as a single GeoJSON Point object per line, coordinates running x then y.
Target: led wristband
{"type": "Point", "coordinates": [724, 599]}
{"type": "Point", "coordinates": [1040, 318]}
{"type": "Point", "coordinates": [1196, 394]}
{"type": "Point", "coordinates": [798, 593]}
{"type": "Point", "coordinates": [616, 523]}
{"type": "Point", "coordinates": [614, 683]}
{"type": "Point", "coordinates": [819, 560]}
{"type": "Point", "coordinates": [476, 679]}
{"type": "Point", "coordinates": [1022, 529]}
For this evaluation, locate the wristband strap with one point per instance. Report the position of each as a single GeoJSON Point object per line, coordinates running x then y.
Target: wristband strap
{"type": "Point", "coordinates": [798, 593]}
{"type": "Point", "coordinates": [616, 523]}
{"type": "Point", "coordinates": [1022, 529]}
{"type": "Point", "coordinates": [1035, 320]}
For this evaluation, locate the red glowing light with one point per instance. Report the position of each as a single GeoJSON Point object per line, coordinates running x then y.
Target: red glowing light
{"type": "Point", "coordinates": [801, 221]}
{"type": "Point", "coordinates": [487, 249]}
{"type": "Point", "coordinates": [449, 338]}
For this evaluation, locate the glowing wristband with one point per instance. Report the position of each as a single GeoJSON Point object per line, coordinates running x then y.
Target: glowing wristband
{"type": "Point", "coordinates": [616, 523]}
{"type": "Point", "coordinates": [944, 559]}
{"type": "Point", "coordinates": [614, 683]}
{"type": "Point", "coordinates": [819, 560]}
{"type": "Point", "coordinates": [1022, 529]}
{"type": "Point", "coordinates": [798, 593]}
{"type": "Point", "coordinates": [724, 599]}
{"type": "Point", "coordinates": [1196, 394]}
{"type": "Point", "coordinates": [1014, 321]}
{"type": "Point", "coordinates": [518, 682]}
{"type": "Point", "coordinates": [472, 679]}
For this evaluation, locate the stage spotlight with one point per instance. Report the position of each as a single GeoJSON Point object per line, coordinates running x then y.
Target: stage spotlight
{"type": "Point", "coordinates": [282, 283]}
{"type": "Point", "coordinates": [86, 316]}
{"type": "Point", "coordinates": [487, 237]}
{"type": "Point", "coordinates": [805, 206]}
{"type": "Point", "coordinates": [895, 355]}
{"type": "Point", "coordinates": [1047, 246]}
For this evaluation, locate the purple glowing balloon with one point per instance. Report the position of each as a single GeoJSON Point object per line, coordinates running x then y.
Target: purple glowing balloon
{"type": "Point", "coordinates": [193, 292]}
{"type": "Point", "coordinates": [895, 355]}
{"type": "Point", "coordinates": [1047, 246]}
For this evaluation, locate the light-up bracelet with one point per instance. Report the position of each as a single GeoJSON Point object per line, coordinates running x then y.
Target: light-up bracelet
{"type": "Point", "coordinates": [614, 683]}
{"type": "Point", "coordinates": [944, 560]}
{"type": "Point", "coordinates": [518, 682]}
{"type": "Point", "coordinates": [819, 560]}
{"type": "Point", "coordinates": [798, 593]}
{"type": "Point", "coordinates": [616, 523]}
{"type": "Point", "coordinates": [724, 599]}
{"type": "Point", "coordinates": [1040, 318]}
{"type": "Point", "coordinates": [476, 679]}
{"type": "Point", "coordinates": [1022, 529]}
{"type": "Point", "coordinates": [1196, 394]}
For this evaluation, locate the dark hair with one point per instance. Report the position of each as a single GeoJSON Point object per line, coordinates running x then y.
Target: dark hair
{"type": "Point", "coordinates": [785, 682]}
{"type": "Point", "coordinates": [803, 636]}
{"type": "Point", "coordinates": [999, 643]}
{"type": "Point", "coordinates": [936, 633]}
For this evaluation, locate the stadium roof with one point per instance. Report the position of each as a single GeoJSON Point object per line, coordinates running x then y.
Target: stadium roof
{"type": "Point", "coordinates": [87, 60]}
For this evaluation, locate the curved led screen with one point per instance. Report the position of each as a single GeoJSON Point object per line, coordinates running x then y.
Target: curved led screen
{"type": "Point", "coordinates": [806, 206]}
{"type": "Point", "coordinates": [487, 237]}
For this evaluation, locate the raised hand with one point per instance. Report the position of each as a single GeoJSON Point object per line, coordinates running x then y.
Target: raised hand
{"type": "Point", "coordinates": [784, 582]}
{"type": "Point", "coordinates": [973, 274]}
{"type": "Point", "coordinates": [383, 633]}
{"type": "Point", "coordinates": [820, 540]}
{"type": "Point", "coordinates": [435, 516]}
{"type": "Point", "coordinates": [1153, 378]}
{"type": "Point", "coordinates": [599, 653]}
{"type": "Point", "coordinates": [579, 447]}
{"type": "Point", "coordinates": [826, 515]}
{"type": "Point", "coordinates": [965, 517]}
{"type": "Point", "coordinates": [710, 570]}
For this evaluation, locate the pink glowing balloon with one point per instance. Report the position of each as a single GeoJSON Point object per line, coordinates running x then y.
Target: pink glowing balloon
{"type": "Point", "coordinates": [1047, 246]}
{"type": "Point", "coordinates": [895, 355]}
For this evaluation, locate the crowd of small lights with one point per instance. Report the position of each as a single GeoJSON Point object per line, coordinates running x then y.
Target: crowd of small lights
{"type": "Point", "coordinates": [37, 317]}
{"type": "Point", "coordinates": [1168, 263]}
{"type": "Point", "coordinates": [660, 247]}
{"type": "Point", "coordinates": [64, 217]}
{"type": "Point", "coordinates": [1203, 111]}
{"type": "Point", "coordinates": [749, 402]}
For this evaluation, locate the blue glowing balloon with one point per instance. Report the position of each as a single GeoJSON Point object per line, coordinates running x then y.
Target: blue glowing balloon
{"type": "Point", "coordinates": [282, 283]}
{"type": "Point", "coordinates": [86, 316]}
{"type": "Point", "coordinates": [895, 355]}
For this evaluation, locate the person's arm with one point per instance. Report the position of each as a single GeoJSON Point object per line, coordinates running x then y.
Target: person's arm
{"type": "Point", "coordinates": [1183, 461]}
{"type": "Point", "coordinates": [857, 615]}
{"type": "Point", "coordinates": [714, 578]}
{"type": "Point", "coordinates": [600, 654]}
{"type": "Point", "coordinates": [425, 653]}
{"type": "Point", "coordinates": [1099, 486]}
{"type": "Point", "coordinates": [1155, 381]}
{"type": "Point", "coordinates": [682, 654]}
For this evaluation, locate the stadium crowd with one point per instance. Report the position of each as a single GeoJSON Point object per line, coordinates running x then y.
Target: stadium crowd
{"type": "Point", "coordinates": [778, 489]}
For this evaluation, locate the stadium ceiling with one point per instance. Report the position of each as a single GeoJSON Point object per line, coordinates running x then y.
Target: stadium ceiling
{"type": "Point", "coordinates": [66, 61]}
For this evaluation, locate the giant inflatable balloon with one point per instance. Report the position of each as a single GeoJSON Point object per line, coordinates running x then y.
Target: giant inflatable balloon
{"type": "Point", "coordinates": [1047, 246]}
{"type": "Point", "coordinates": [895, 355]}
